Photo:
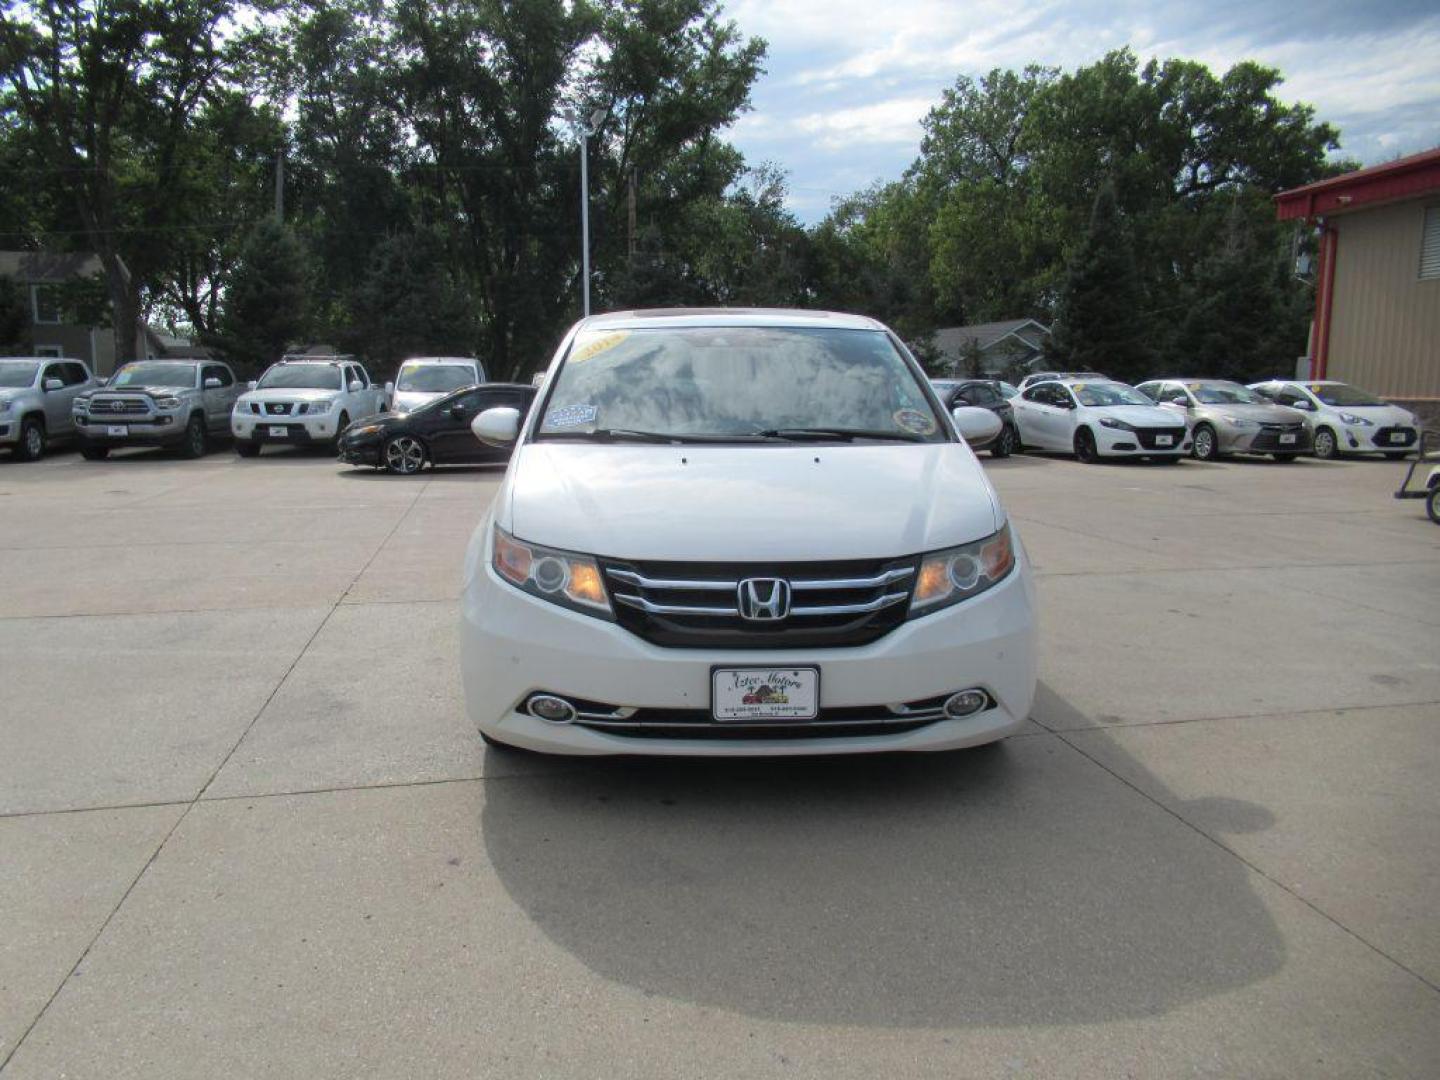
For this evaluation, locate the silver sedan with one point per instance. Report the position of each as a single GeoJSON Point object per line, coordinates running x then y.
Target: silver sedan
{"type": "Point", "coordinates": [1227, 418]}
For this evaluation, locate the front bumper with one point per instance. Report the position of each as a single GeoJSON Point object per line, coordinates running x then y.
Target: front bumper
{"type": "Point", "coordinates": [514, 645]}
{"type": "Point", "coordinates": [9, 429]}
{"type": "Point", "coordinates": [1118, 442]}
{"type": "Point", "coordinates": [1253, 441]}
{"type": "Point", "coordinates": [284, 430]}
{"type": "Point", "coordinates": [359, 452]}
{"type": "Point", "coordinates": [129, 431]}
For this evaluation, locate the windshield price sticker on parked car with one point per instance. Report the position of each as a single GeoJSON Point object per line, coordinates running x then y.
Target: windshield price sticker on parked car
{"type": "Point", "coordinates": [597, 345]}
{"type": "Point", "coordinates": [765, 693]}
{"type": "Point", "coordinates": [571, 416]}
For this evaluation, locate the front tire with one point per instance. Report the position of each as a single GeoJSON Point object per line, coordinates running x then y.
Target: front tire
{"type": "Point", "coordinates": [1086, 451]}
{"type": "Point", "coordinates": [31, 446]}
{"type": "Point", "coordinates": [1004, 443]}
{"type": "Point", "coordinates": [1432, 504]}
{"type": "Point", "coordinates": [404, 455]}
{"type": "Point", "coordinates": [1326, 447]}
{"type": "Point", "coordinates": [196, 441]}
{"type": "Point", "coordinates": [1206, 445]}
{"type": "Point", "coordinates": [94, 453]}
{"type": "Point", "coordinates": [247, 449]}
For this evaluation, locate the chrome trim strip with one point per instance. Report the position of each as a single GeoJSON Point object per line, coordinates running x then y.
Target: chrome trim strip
{"type": "Point", "coordinates": [851, 609]}
{"type": "Point", "coordinates": [771, 725]}
{"type": "Point", "coordinates": [652, 608]}
{"type": "Point", "coordinates": [632, 578]}
{"type": "Point", "coordinates": [888, 577]}
{"type": "Point", "coordinates": [875, 582]}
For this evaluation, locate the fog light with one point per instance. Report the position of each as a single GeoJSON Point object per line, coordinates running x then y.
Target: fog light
{"type": "Point", "coordinates": [551, 708]}
{"type": "Point", "coordinates": [965, 703]}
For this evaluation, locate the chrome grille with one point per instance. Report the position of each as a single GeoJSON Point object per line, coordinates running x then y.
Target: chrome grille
{"type": "Point", "coordinates": [277, 408]}
{"type": "Point", "coordinates": [119, 406]}
{"type": "Point", "coordinates": [699, 604]}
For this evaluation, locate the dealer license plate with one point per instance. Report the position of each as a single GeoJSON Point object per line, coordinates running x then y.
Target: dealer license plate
{"type": "Point", "coordinates": [765, 693]}
{"type": "Point", "coordinates": [1397, 436]}
{"type": "Point", "coordinates": [117, 429]}
{"type": "Point", "coordinates": [279, 432]}
{"type": "Point", "coordinates": [1287, 439]}
{"type": "Point", "coordinates": [1164, 440]}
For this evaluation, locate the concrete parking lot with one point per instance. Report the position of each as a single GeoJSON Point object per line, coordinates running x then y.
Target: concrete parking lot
{"type": "Point", "coordinates": [248, 832]}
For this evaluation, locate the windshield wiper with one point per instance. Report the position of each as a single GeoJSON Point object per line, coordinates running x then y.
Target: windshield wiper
{"type": "Point", "coordinates": [632, 435]}
{"type": "Point", "coordinates": [803, 434]}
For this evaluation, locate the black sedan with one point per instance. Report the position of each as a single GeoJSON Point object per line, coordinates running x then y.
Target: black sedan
{"type": "Point", "coordinates": [437, 432]}
{"type": "Point", "coordinates": [983, 394]}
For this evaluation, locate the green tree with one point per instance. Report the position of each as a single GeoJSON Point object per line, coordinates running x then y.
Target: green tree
{"type": "Point", "coordinates": [1099, 324]}
{"type": "Point", "coordinates": [14, 318]}
{"type": "Point", "coordinates": [266, 297]}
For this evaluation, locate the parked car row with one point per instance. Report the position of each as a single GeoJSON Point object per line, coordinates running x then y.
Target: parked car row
{"type": "Point", "coordinates": [1092, 417]}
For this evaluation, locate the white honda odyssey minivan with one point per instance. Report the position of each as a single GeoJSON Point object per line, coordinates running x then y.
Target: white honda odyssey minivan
{"type": "Point", "coordinates": [745, 533]}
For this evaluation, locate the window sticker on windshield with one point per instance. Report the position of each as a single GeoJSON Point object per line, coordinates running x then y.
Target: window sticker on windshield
{"type": "Point", "coordinates": [1077, 387]}
{"type": "Point", "coordinates": [1193, 385]}
{"type": "Point", "coordinates": [596, 346]}
{"type": "Point", "coordinates": [914, 420]}
{"type": "Point", "coordinates": [571, 416]}
{"type": "Point", "coordinates": [1316, 387]}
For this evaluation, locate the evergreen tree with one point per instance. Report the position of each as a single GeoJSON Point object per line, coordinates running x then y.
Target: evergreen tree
{"type": "Point", "coordinates": [266, 297]}
{"type": "Point", "coordinates": [1099, 324]}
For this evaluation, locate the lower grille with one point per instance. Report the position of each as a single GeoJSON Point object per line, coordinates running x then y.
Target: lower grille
{"type": "Point", "coordinates": [697, 605]}
{"type": "Point", "coordinates": [1149, 435]}
{"type": "Point", "coordinates": [1270, 435]}
{"type": "Point", "coordinates": [277, 408]}
{"type": "Point", "coordinates": [1386, 440]}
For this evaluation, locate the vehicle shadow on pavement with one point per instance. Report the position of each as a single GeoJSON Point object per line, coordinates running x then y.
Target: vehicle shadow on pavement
{"type": "Point", "coordinates": [1011, 885]}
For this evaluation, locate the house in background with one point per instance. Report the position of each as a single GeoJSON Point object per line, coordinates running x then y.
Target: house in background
{"type": "Point", "coordinates": [1377, 290]}
{"type": "Point", "coordinates": [999, 348]}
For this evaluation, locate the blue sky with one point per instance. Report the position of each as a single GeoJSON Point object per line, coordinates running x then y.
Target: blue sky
{"type": "Point", "coordinates": [848, 81]}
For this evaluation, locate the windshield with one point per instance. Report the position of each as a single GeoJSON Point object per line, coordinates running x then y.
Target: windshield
{"type": "Point", "coordinates": [152, 374]}
{"type": "Point", "coordinates": [14, 374]}
{"type": "Point", "coordinates": [1225, 394]}
{"type": "Point", "coordinates": [1340, 394]}
{"type": "Point", "coordinates": [1096, 394]}
{"type": "Point", "coordinates": [738, 381]}
{"type": "Point", "coordinates": [1008, 390]}
{"type": "Point", "coordinates": [435, 378]}
{"type": "Point", "coordinates": [300, 377]}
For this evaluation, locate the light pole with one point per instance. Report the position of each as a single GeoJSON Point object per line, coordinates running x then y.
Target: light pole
{"type": "Point", "coordinates": [585, 128]}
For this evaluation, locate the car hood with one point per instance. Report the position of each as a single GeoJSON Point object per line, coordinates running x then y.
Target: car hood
{"type": "Point", "coordinates": [1139, 415]}
{"type": "Point", "coordinates": [1261, 414]}
{"type": "Point", "coordinates": [284, 394]}
{"type": "Point", "coordinates": [147, 391]}
{"type": "Point", "coordinates": [737, 503]}
{"type": "Point", "coordinates": [410, 400]}
{"type": "Point", "coordinates": [1379, 415]}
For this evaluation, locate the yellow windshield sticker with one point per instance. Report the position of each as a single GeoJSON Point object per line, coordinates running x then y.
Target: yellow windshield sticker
{"type": "Point", "coordinates": [597, 345]}
{"type": "Point", "coordinates": [1193, 385]}
{"type": "Point", "coordinates": [1077, 387]}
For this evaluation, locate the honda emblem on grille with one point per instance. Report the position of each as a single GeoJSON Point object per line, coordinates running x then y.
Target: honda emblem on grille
{"type": "Point", "coordinates": [764, 599]}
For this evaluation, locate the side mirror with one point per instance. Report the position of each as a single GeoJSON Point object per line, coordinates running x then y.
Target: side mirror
{"type": "Point", "coordinates": [1303, 405]}
{"type": "Point", "coordinates": [53, 384]}
{"type": "Point", "coordinates": [497, 427]}
{"type": "Point", "coordinates": [978, 427]}
{"type": "Point", "coordinates": [389, 388]}
{"type": "Point", "coordinates": [356, 386]}
{"type": "Point", "coordinates": [250, 385]}
{"type": "Point", "coordinates": [212, 383]}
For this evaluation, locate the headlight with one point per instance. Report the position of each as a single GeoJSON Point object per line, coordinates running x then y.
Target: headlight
{"type": "Point", "coordinates": [318, 407]}
{"type": "Point", "coordinates": [1240, 422]}
{"type": "Point", "coordinates": [947, 577]}
{"type": "Point", "coordinates": [1359, 421]}
{"type": "Point", "coordinates": [167, 402]}
{"type": "Point", "coordinates": [79, 405]}
{"type": "Point", "coordinates": [368, 429]}
{"type": "Point", "coordinates": [561, 577]}
{"type": "Point", "coordinates": [6, 406]}
{"type": "Point", "coordinates": [1111, 422]}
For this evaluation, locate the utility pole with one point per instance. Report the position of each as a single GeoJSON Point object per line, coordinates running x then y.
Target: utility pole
{"type": "Point", "coordinates": [585, 129]}
{"type": "Point", "coordinates": [280, 186]}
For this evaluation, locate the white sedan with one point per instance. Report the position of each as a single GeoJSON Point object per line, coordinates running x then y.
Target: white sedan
{"type": "Point", "coordinates": [1095, 419]}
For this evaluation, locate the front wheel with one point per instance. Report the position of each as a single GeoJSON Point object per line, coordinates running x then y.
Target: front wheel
{"type": "Point", "coordinates": [31, 446]}
{"type": "Point", "coordinates": [195, 441]}
{"type": "Point", "coordinates": [1085, 449]}
{"type": "Point", "coordinates": [94, 453]}
{"type": "Point", "coordinates": [1004, 443]}
{"type": "Point", "coordinates": [404, 455]}
{"type": "Point", "coordinates": [1206, 446]}
{"type": "Point", "coordinates": [1326, 448]}
{"type": "Point", "coordinates": [1432, 504]}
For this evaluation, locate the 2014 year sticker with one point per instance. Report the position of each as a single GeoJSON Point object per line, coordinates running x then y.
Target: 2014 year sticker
{"type": "Point", "coordinates": [914, 420]}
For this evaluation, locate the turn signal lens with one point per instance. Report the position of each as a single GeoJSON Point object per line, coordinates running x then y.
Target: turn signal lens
{"type": "Point", "coordinates": [956, 574]}
{"type": "Point", "coordinates": [561, 577]}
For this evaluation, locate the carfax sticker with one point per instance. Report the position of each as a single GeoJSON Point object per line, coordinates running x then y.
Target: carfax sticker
{"type": "Point", "coordinates": [571, 416]}
{"type": "Point", "coordinates": [597, 345]}
{"type": "Point", "coordinates": [914, 420]}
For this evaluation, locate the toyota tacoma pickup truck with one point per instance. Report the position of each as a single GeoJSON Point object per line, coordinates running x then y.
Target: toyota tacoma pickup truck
{"type": "Point", "coordinates": [182, 404]}
{"type": "Point", "coordinates": [36, 395]}
{"type": "Point", "coordinates": [303, 401]}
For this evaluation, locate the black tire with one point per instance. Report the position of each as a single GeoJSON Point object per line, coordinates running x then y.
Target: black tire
{"type": "Point", "coordinates": [1285, 459]}
{"type": "Point", "coordinates": [1432, 504]}
{"type": "Point", "coordinates": [31, 446]}
{"type": "Point", "coordinates": [1205, 437]}
{"type": "Point", "coordinates": [247, 449]}
{"type": "Point", "coordinates": [404, 455]}
{"type": "Point", "coordinates": [196, 440]}
{"type": "Point", "coordinates": [95, 453]}
{"type": "Point", "coordinates": [1085, 449]}
{"type": "Point", "coordinates": [1327, 446]}
{"type": "Point", "coordinates": [1004, 442]}
{"type": "Point", "coordinates": [1396, 455]}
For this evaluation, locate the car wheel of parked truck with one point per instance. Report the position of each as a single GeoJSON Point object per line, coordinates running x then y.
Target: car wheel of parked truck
{"type": "Point", "coordinates": [31, 446]}
{"type": "Point", "coordinates": [194, 443]}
